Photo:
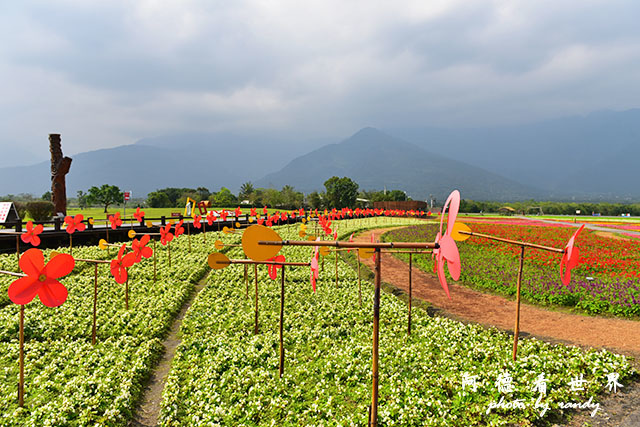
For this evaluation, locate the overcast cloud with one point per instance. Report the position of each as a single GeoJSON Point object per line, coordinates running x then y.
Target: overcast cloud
{"type": "Point", "coordinates": [107, 73]}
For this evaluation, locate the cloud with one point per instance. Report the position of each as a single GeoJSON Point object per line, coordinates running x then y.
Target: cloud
{"type": "Point", "coordinates": [107, 73]}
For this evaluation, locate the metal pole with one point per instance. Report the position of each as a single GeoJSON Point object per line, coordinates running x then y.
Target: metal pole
{"type": "Point", "coordinates": [336, 269]}
{"type": "Point", "coordinates": [517, 328]}
{"type": "Point", "coordinates": [359, 285]}
{"type": "Point", "coordinates": [410, 268]}
{"type": "Point", "coordinates": [255, 272]}
{"type": "Point", "coordinates": [95, 303]}
{"type": "Point", "coordinates": [376, 336]}
{"type": "Point", "coordinates": [154, 261]}
{"type": "Point", "coordinates": [281, 323]}
{"type": "Point", "coordinates": [21, 360]}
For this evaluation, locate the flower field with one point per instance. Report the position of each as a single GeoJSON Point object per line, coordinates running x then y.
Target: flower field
{"type": "Point", "coordinates": [223, 374]}
{"type": "Point", "coordinates": [607, 280]}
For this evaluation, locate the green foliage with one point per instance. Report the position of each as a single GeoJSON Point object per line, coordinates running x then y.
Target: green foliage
{"type": "Point", "coordinates": [552, 208]}
{"type": "Point", "coordinates": [314, 199]}
{"type": "Point", "coordinates": [174, 194]}
{"type": "Point", "coordinates": [105, 196]}
{"type": "Point", "coordinates": [246, 191]}
{"type": "Point", "coordinates": [82, 199]}
{"type": "Point", "coordinates": [341, 192]}
{"type": "Point", "coordinates": [158, 199]}
{"type": "Point", "coordinates": [40, 210]}
{"type": "Point", "coordinates": [223, 198]}
{"type": "Point", "coordinates": [21, 208]}
{"type": "Point", "coordinates": [46, 196]}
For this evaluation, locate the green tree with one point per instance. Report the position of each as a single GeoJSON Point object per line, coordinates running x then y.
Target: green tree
{"type": "Point", "coordinates": [246, 190]}
{"type": "Point", "coordinates": [341, 192]}
{"type": "Point", "coordinates": [291, 198]}
{"type": "Point", "coordinates": [224, 198]}
{"type": "Point", "coordinates": [105, 196]}
{"type": "Point", "coordinates": [203, 193]}
{"type": "Point", "coordinates": [314, 200]}
{"type": "Point", "coordinates": [82, 199]}
{"type": "Point", "coordinates": [158, 199]}
{"type": "Point", "coordinates": [46, 196]}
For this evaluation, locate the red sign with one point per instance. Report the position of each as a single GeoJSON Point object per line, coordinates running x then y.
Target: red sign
{"type": "Point", "coordinates": [127, 195]}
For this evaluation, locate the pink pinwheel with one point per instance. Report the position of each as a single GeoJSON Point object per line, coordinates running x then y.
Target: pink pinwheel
{"type": "Point", "coordinates": [351, 241]}
{"type": "Point", "coordinates": [447, 249]}
{"type": "Point", "coordinates": [74, 223]}
{"type": "Point", "coordinates": [31, 235]}
{"type": "Point", "coordinates": [140, 248]}
{"type": "Point", "coordinates": [196, 221]}
{"type": "Point", "coordinates": [273, 268]}
{"type": "Point", "coordinates": [165, 235]}
{"type": "Point", "coordinates": [210, 217]}
{"type": "Point", "coordinates": [41, 279]}
{"type": "Point", "coordinates": [179, 228]}
{"type": "Point", "coordinates": [335, 235]}
{"type": "Point", "coordinates": [314, 267]}
{"type": "Point", "coordinates": [139, 215]}
{"type": "Point", "coordinates": [115, 220]}
{"type": "Point", "coordinates": [570, 258]}
{"type": "Point", "coordinates": [120, 264]}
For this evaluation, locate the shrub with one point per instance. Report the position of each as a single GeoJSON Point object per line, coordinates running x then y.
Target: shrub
{"type": "Point", "coordinates": [21, 208]}
{"type": "Point", "coordinates": [40, 211]}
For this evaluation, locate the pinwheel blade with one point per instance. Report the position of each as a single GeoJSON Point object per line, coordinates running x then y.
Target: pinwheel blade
{"type": "Point", "coordinates": [255, 251]}
{"type": "Point", "coordinates": [218, 261]}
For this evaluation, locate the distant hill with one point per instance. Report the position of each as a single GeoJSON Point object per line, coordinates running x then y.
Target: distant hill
{"type": "Point", "coordinates": [576, 157]}
{"type": "Point", "coordinates": [376, 160]}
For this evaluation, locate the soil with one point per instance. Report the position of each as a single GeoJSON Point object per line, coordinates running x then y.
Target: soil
{"type": "Point", "coordinates": [467, 305]}
{"type": "Point", "coordinates": [149, 409]}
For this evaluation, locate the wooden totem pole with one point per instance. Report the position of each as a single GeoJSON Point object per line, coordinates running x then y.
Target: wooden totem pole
{"type": "Point", "coordinates": [59, 168]}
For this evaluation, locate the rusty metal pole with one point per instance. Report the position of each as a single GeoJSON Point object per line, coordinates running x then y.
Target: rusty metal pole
{"type": "Point", "coordinates": [376, 337]}
{"type": "Point", "coordinates": [336, 269]}
{"type": "Point", "coordinates": [246, 281]}
{"type": "Point", "coordinates": [255, 272]}
{"type": "Point", "coordinates": [359, 285]}
{"type": "Point", "coordinates": [18, 247]}
{"type": "Point", "coordinates": [126, 294]}
{"type": "Point", "coordinates": [154, 261]}
{"type": "Point", "coordinates": [21, 360]}
{"type": "Point", "coordinates": [516, 331]}
{"type": "Point", "coordinates": [95, 303]}
{"type": "Point", "coordinates": [410, 296]}
{"type": "Point", "coordinates": [281, 323]}
{"type": "Point", "coordinates": [189, 235]}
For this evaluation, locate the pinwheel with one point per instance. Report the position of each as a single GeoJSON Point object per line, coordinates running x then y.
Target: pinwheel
{"type": "Point", "coordinates": [273, 268]}
{"type": "Point", "coordinates": [120, 264]}
{"type": "Point", "coordinates": [74, 223]}
{"type": "Point", "coordinates": [335, 235]}
{"type": "Point", "coordinates": [264, 210]}
{"type": "Point", "coordinates": [165, 235]}
{"type": "Point", "coordinates": [237, 212]}
{"type": "Point", "coordinates": [570, 258]}
{"type": "Point", "coordinates": [350, 241]}
{"type": "Point", "coordinates": [196, 221]}
{"type": "Point", "coordinates": [210, 218]}
{"type": "Point", "coordinates": [224, 214]}
{"type": "Point", "coordinates": [254, 212]}
{"type": "Point", "coordinates": [115, 220]}
{"type": "Point", "coordinates": [41, 279]}
{"type": "Point", "coordinates": [179, 228]}
{"type": "Point", "coordinates": [448, 250]}
{"type": "Point", "coordinates": [31, 235]}
{"type": "Point", "coordinates": [260, 221]}
{"type": "Point", "coordinates": [140, 249]}
{"type": "Point", "coordinates": [139, 215]}
{"type": "Point", "coordinates": [314, 267]}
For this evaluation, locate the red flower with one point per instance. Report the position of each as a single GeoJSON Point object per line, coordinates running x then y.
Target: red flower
{"type": "Point", "coordinates": [119, 265]}
{"type": "Point", "coordinates": [41, 279]}
{"type": "Point", "coordinates": [115, 220]}
{"type": "Point", "coordinates": [448, 250]}
{"type": "Point", "coordinates": [74, 223]}
{"type": "Point", "coordinates": [210, 218]}
{"type": "Point", "coordinates": [238, 212]}
{"type": "Point", "coordinates": [179, 228]}
{"type": "Point", "coordinates": [165, 235]}
{"type": "Point", "coordinates": [196, 221]}
{"type": "Point", "coordinates": [570, 258]}
{"type": "Point", "coordinates": [273, 268]}
{"type": "Point", "coordinates": [31, 235]}
{"type": "Point", "coordinates": [138, 215]}
{"type": "Point", "coordinates": [140, 248]}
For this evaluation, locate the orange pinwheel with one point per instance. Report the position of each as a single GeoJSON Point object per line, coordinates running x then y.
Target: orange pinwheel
{"type": "Point", "coordinates": [31, 235]}
{"type": "Point", "coordinates": [139, 215]}
{"type": "Point", "coordinates": [179, 228]}
{"type": "Point", "coordinates": [273, 268]}
{"type": "Point", "coordinates": [165, 235]}
{"type": "Point", "coordinates": [41, 279]}
{"type": "Point", "coordinates": [115, 220]}
{"type": "Point", "coordinates": [140, 248]}
{"type": "Point", "coordinates": [196, 221]}
{"type": "Point", "coordinates": [570, 258]}
{"type": "Point", "coordinates": [448, 250]}
{"type": "Point", "coordinates": [120, 264]}
{"type": "Point", "coordinates": [74, 223]}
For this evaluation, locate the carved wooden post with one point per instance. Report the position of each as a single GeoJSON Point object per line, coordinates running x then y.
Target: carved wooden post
{"type": "Point", "coordinates": [59, 168]}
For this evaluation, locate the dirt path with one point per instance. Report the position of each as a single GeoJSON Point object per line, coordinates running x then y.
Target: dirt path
{"type": "Point", "coordinates": [149, 409]}
{"type": "Point", "coordinates": [618, 335]}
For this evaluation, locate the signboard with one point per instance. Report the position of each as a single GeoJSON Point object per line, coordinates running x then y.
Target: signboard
{"type": "Point", "coordinates": [8, 212]}
{"type": "Point", "coordinates": [127, 195]}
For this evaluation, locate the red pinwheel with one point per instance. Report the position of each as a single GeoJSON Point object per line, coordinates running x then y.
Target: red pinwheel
{"type": "Point", "coordinates": [210, 218]}
{"type": "Point", "coordinates": [224, 215]}
{"type": "Point", "coordinates": [115, 220]}
{"type": "Point", "coordinates": [179, 228]}
{"type": "Point", "coordinates": [140, 248]}
{"type": "Point", "coordinates": [196, 221]}
{"type": "Point", "coordinates": [335, 235]}
{"type": "Point", "coordinates": [31, 235]}
{"type": "Point", "coordinates": [139, 215]}
{"type": "Point", "coordinates": [41, 279]}
{"type": "Point", "coordinates": [120, 264]}
{"type": "Point", "coordinates": [273, 268]}
{"type": "Point", "coordinates": [237, 212]}
{"type": "Point", "coordinates": [254, 212]}
{"type": "Point", "coordinates": [448, 250]}
{"type": "Point", "coordinates": [165, 235]}
{"type": "Point", "coordinates": [570, 258]}
{"type": "Point", "coordinates": [301, 212]}
{"type": "Point", "coordinates": [314, 267]}
{"type": "Point", "coordinates": [260, 221]}
{"type": "Point", "coordinates": [264, 209]}
{"type": "Point", "coordinates": [351, 241]}
{"type": "Point", "coordinates": [74, 223]}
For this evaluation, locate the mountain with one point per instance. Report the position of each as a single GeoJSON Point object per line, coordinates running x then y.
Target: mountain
{"type": "Point", "coordinates": [376, 160]}
{"type": "Point", "coordinates": [575, 157]}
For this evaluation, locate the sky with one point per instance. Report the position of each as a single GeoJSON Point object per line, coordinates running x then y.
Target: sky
{"type": "Point", "coordinates": [108, 73]}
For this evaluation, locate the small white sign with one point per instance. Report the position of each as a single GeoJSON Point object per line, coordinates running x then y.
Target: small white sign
{"type": "Point", "coordinates": [8, 212]}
